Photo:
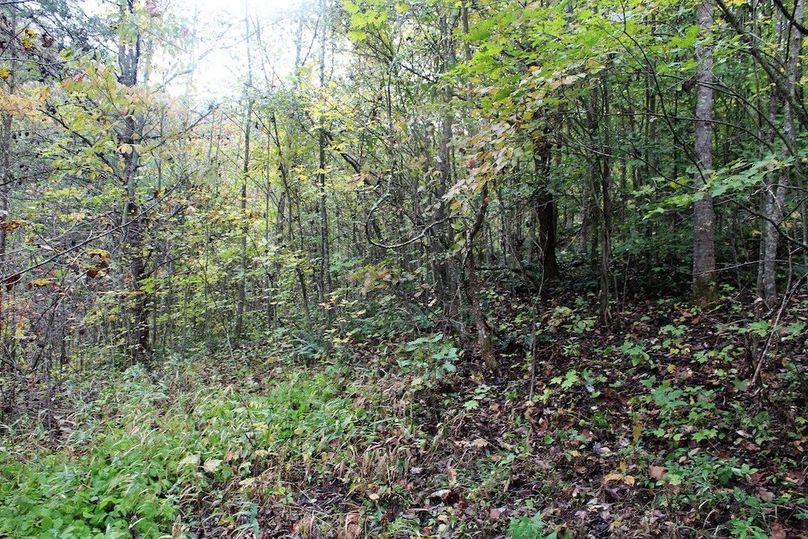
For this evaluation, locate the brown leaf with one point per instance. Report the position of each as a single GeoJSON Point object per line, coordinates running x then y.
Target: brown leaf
{"type": "Point", "coordinates": [350, 530]}
{"type": "Point", "coordinates": [8, 226]}
{"type": "Point", "coordinates": [451, 473]}
{"type": "Point", "coordinates": [656, 472]}
{"type": "Point", "coordinates": [777, 531]}
{"type": "Point", "coordinates": [765, 495]}
{"type": "Point", "coordinates": [11, 281]}
{"type": "Point", "coordinates": [796, 477]}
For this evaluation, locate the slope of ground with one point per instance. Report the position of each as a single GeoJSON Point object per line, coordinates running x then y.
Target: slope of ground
{"type": "Point", "coordinates": [649, 429]}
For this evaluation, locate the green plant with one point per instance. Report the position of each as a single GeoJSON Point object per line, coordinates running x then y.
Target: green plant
{"type": "Point", "coordinates": [155, 452]}
{"type": "Point", "coordinates": [635, 351]}
{"type": "Point", "coordinates": [430, 358]}
{"type": "Point", "coordinates": [525, 527]}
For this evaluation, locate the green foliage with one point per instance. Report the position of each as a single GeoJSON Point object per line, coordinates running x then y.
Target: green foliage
{"type": "Point", "coordinates": [429, 359]}
{"type": "Point", "coordinates": [141, 469]}
{"type": "Point", "coordinates": [530, 528]}
{"type": "Point", "coordinates": [636, 352]}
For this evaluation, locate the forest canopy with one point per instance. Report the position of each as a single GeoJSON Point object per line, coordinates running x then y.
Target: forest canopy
{"type": "Point", "coordinates": [403, 268]}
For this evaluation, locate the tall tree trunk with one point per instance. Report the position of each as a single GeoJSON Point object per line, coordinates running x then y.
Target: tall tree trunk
{"type": "Point", "coordinates": [6, 125]}
{"type": "Point", "coordinates": [325, 271]}
{"type": "Point", "coordinates": [703, 212]}
{"type": "Point", "coordinates": [546, 216]}
{"type": "Point", "coordinates": [439, 235]}
{"type": "Point", "coordinates": [790, 41]}
{"type": "Point", "coordinates": [245, 172]}
{"type": "Point", "coordinates": [471, 286]}
{"type": "Point", "coordinates": [129, 57]}
{"type": "Point", "coordinates": [769, 187]}
{"type": "Point", "coordinates": [604, 160]}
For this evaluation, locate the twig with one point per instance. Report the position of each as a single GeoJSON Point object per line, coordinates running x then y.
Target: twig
{"type": "Point", "coordinates": [786, 298]}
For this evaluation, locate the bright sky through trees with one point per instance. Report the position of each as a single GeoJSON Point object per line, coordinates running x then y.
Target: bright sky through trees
{"type": "Point", "coordinates": [221, 65]}
{"type": "Point", "coordinates": [218, 53]}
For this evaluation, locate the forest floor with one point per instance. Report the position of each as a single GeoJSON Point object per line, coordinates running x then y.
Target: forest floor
{"type": "Point", "coordinates": [649, 429]}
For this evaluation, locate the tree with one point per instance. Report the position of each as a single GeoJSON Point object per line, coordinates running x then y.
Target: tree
{"type": "Point", "coordinates": [703, 212]}
{"type": "Point", "coordinates": [776, 185]}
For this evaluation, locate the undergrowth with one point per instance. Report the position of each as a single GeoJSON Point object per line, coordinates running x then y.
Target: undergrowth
{"type": "Point", "coordinates": [164, 447]}
{"type": "Point", "coordinates": [649, 431]}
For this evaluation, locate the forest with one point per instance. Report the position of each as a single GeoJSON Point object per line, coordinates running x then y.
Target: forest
{"type": "Point", "coordinates": [529, 269]}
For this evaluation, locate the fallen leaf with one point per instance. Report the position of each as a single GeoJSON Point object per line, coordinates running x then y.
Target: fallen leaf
{"type": "Point", "coordinates": [656, 472]}
{"type": "Point", "coordinates": [777, 531]}
{"type": "Point", "coordinates": [350, 530]}
{"type": "Point", "coordinates": [244, 483]}
{"type": "Point", "coordinates": [442, 493]}
{"type": "Point", "coordinates": [627, 479]}
{"type": "Point", "coordinates": [765, 495]}
{"type": "Point", "coordinates": [211, 465]}
{"type": "Point", "coordinates": [479, 443]}
{"type": "Point", "coordinates": [612, 477]}
{"type": "Point", "coordinates": [190, 460]}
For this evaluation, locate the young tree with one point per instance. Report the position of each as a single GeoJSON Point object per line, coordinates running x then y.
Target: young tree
{"type": "Point", "coordinates": [703, 211]}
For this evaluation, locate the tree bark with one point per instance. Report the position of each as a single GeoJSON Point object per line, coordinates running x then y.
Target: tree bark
{"type": "Point", "coordinates": [546, 217]}
{"type": "Point", "coordinates": [775, 195]}
{"type": "Point", "coordinates": [325, 273]}
{"type": "Point", "coordinates": [6, 125]}
{"type": "Point", "coordinates": [471, 286]}
{"type": "Point", "coordinates": [703, 212]}
{"type": "Point", "coordinates": [245, 172]}
{"type": "Point", "coordinates": [129, 56]}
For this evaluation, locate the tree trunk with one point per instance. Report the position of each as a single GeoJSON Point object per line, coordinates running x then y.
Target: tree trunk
{"type": "Point", "coordinates": [703, 212]}
{"type": "Point", "coordinates": [791, 41]}
{"type": "Point", "coordinates": [546, 216]}
{"type": "Point", "coordinates": [325, 271]}
{"type": "Point", "coordinates": [439, 235]}
{"type": "Point", "coordinates": [471, 286]}
{"type": "Point", "coordinates": [6, 125]}
{"type": "Point", "coordinates": [129, 56]}
{"type": "Point", "coordinates": [605, 171]}
{"type": "Point", "coordinates": [242, 284]}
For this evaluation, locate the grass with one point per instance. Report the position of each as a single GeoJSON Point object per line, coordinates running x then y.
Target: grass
{"type": "Point", "coordinates": [169, 448]}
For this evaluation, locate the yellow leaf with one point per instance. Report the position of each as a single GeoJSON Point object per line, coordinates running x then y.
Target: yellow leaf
{"type": "Point", "coordinates": [636, 431]}
{"type": "Point", "coordinates": [612, 477]}
{"type": "Point", "coordinates": [629, 480]}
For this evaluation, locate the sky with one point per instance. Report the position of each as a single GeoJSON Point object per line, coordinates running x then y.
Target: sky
{"type": "Point", "coordinates": [220, 50]}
